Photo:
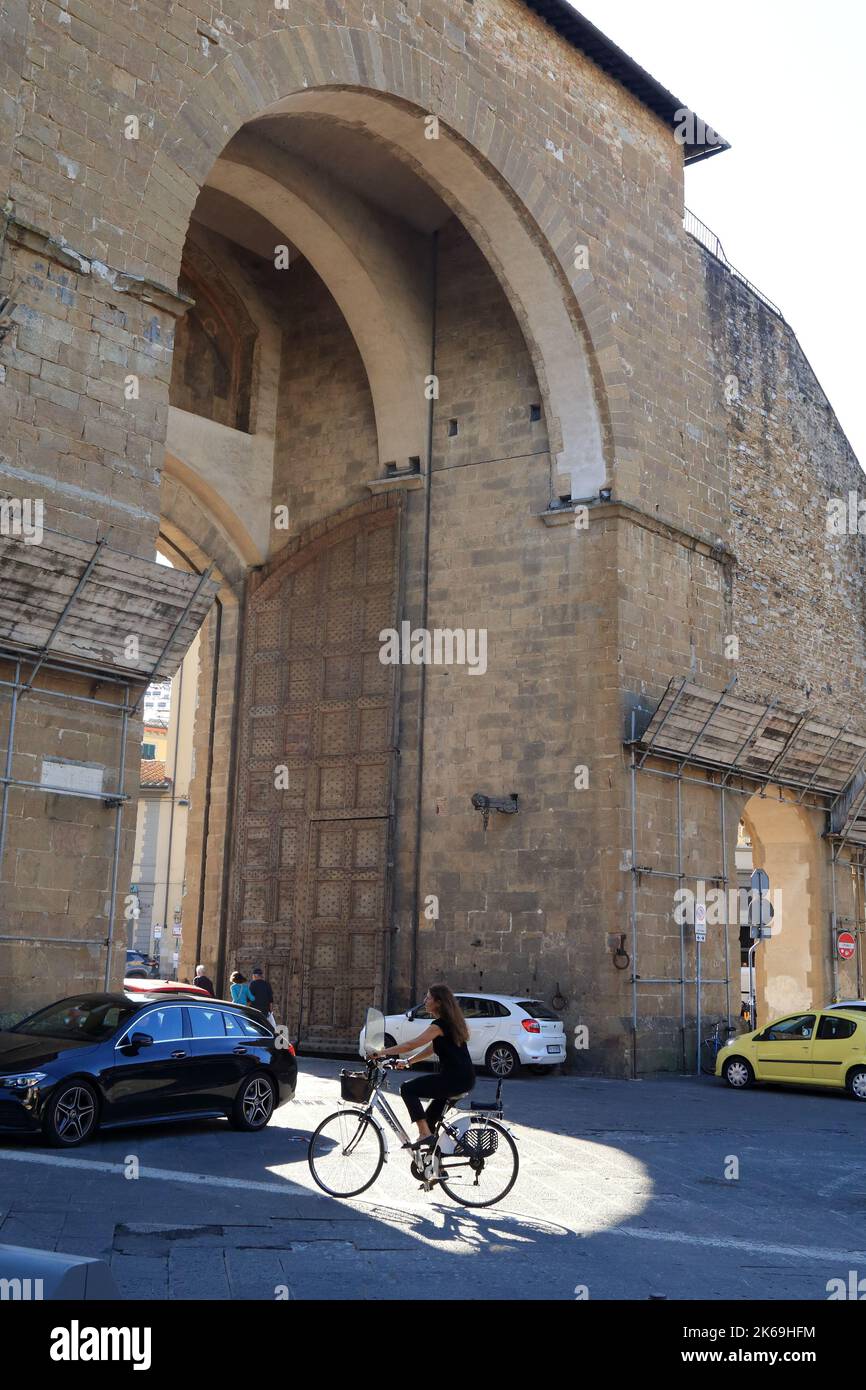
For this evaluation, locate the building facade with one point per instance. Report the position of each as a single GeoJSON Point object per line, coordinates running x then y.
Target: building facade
{"type": "Point", "coordinates": [382, 323]}
{"type": "Point", "coordinates": [155, 922]}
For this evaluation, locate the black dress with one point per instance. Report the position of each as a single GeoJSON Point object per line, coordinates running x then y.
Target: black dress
{"type": "Point", "coordinates": [455, 1077]}
{"type": "Point", "coordinates": [454, 1060]}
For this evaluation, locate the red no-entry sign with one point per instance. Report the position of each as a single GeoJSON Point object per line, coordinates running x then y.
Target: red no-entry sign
{"type": "Point", "coordinates": [845, 944]}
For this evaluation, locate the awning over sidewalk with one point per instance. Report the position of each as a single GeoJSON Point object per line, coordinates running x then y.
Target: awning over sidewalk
{"type": "Point", "coordinates": [766, 744]}
{"type": "Point", "coordinates": [98, 607]}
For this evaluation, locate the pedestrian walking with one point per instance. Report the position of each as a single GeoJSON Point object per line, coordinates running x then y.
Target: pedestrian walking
{"type": "Point", "coordinates": [263, 995]}
{"type": "Point", "coordinates": [240, 990]}
{"type": "Point", "coordinates": [204, 981]}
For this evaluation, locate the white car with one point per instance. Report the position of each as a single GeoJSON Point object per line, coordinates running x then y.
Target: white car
{"type": "Point", "coordinates": [858, 1005]}
{"type": "Point", "coordinates": [505, 1030]}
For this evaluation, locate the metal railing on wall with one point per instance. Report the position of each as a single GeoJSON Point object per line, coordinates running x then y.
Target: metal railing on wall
{"type": "Point", "coordinates": [708, 239]}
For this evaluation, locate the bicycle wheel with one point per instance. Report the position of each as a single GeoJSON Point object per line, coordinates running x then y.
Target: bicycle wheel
{"type": "Point", "coordinates": [346, 1153]}
{"type": "Point", "coordinates": [709, 1053]}
{"type": "Point", "coordinates": [483, 1168]}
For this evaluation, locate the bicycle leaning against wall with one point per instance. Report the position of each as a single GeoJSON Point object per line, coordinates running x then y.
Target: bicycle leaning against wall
{"type": "Point", "coordinates": [473, 1157]}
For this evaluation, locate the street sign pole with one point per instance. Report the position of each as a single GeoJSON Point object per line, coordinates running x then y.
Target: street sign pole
{"type": "Point", "coordinates": [700, 937]}
{"type": "Point", "coordinates": [760, 916]}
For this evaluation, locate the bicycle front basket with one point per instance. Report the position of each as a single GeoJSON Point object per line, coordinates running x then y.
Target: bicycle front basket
{"type": "Point", "coordinates": [478, 1142]}
{"type": "Point", "coordinates": [355, 1086]}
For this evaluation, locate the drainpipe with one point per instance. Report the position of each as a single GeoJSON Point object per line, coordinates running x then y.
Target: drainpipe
{"type": "Point", "coordinates": [416, 888]}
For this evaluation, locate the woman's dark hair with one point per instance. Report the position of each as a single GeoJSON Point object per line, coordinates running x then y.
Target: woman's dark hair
{"type": "Point", "coordinates": [236, 978]}
{"type": "Point", "coordinates": [450, 1013]}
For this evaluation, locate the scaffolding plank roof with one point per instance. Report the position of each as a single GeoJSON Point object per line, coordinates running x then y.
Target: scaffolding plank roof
{"type": "Point", "coordinates": [123, 596]}
{"type": "Point", "coordinates": [761, 741]}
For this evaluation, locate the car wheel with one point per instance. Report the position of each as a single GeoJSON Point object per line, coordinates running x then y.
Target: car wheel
{"type": "Point", "coordinates": [856, 1083]}
{"type": "Point", "coordinates": [502, 1060]}
{"type": "Point", "coordinates": [72, 1114]}
{"type": "Point", "coordinates": [738, 1073]}
{"type": "Point", "coordinates": [255, 1103]}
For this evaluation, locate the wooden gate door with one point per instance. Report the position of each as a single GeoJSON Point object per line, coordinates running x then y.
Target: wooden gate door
{"type": "Point", "coordinates": [310, 899]}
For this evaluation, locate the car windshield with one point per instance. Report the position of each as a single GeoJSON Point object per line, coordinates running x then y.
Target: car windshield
{"type": "Point", "coordinates": [83, 1017]}
{"type": "Point", "coordinates": [536, 1009]}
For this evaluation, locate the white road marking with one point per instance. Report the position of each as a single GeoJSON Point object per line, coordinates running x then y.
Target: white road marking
{"type": "Point", "coordinates": [752, 1247]}
{"type": "Point", "coordinates": [284, 1189]}
{"type": "Point", "coordinates": [289, 1189]}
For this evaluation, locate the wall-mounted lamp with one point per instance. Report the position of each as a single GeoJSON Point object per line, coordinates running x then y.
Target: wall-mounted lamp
{"type": "Point", "coordinates": [485, 804]}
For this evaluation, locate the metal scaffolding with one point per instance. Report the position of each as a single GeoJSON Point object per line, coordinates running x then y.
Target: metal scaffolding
{"type": "Point", "coordinates": [713, 740]}
{"type": "Point", "coordinates": [20, 611]}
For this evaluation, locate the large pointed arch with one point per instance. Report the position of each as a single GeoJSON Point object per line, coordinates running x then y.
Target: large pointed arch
{"type": "Point", "coordinates": [492, 180]}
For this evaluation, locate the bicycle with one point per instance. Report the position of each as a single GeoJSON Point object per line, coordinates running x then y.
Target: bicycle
{"type": "Point", "coordinates": [712, 1046]}
{"type": "Point", "coordinates": [475, 1165]}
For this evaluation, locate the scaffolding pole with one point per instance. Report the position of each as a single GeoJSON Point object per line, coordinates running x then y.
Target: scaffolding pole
{"type": "Point", "coordinates": [39, 660]}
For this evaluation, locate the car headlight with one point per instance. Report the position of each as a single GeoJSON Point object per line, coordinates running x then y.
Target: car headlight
{"type": "Point", "coordinates": [25, 1079]}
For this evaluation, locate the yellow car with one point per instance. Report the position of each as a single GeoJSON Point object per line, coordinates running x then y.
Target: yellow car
{"type": "Point", "coordinates": [823, 1047]}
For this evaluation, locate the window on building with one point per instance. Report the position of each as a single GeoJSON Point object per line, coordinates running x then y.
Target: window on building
{"type": "Point", "coordinates": [148, 750]}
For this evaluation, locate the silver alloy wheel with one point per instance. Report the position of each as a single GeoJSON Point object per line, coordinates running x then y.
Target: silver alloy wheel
{"type": "Point", "coordinates": [74, 1115]}
{"type": "Point", "coordinates": [737, 1074]}
{"type": "Point", "coordinates": [501, 1060]}
{"type": "Point", "coordinates": [258, 1101]}
{"type": "Point", "coordinates": [858, 1085]}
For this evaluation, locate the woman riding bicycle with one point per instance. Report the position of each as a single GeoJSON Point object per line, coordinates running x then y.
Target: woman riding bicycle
{"type": "Point", "coordinates": [446, 1037]}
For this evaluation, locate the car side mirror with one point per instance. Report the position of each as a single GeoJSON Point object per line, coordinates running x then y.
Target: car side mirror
{"type": "Point", "coordinates": [140, 1040]}
{"type": "Point", "coordinates": [410, 1014]}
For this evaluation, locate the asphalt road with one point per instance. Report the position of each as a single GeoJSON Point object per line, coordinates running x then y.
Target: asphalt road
{"type": "Point", "coordinates": [624, 1193]}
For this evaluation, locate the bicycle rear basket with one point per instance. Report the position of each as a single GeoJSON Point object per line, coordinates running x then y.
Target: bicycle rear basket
{"type": "Point", "coordinates": [355, 1086]}
{"type": "Point", "coordinates": [477, 1142]}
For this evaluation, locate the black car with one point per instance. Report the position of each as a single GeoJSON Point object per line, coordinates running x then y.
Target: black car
{"type": "Point", "coordinates": [103, 1060]}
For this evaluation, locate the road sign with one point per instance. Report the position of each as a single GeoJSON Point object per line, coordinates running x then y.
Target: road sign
{"type": "Point", "coordinates": [700, 921]}
{"type": "Point", "coordinates": [157, 933]}
{"type": "Point", "coordinates": [175, 930]}
{"type": "Point", "coordinates": [760, 881]}
{"type": "Point", "coordinates": [845, 944]}
{"type": "Point", "coordinates": [761, 914]}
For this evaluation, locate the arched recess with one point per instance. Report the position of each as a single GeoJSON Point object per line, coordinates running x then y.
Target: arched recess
{"type": "Point", "coordinates": [192, 538]}
{"type": "Point", "coordinates": [214, 344]}
{"type": "Point", "coordinates": [378, 274]}
{"type": "Point", "coordinates": [185, 494]}
{"type": "Point", "coordinates": [791, 964]}
{"type": "Point", "coordinates": [483, 169]}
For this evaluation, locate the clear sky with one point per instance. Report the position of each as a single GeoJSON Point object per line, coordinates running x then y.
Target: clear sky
{"type": "Point", "coordinates": [783, 81]}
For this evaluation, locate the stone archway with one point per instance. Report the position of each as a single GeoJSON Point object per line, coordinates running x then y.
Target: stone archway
{"type": "Point", "coordinates": [489, 176]}
{"type": "Point", "coordinates": [791, 968]}
{"type": "Point", "coordinates": [192, 537]}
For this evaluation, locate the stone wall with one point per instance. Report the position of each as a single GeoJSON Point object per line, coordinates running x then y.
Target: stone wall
{"type": "Point", "coordinates": [715, 526]}
{"type": "Point", "coordinates": [799, 598]}
{"type": "Point", "coordinates": [57, 866]}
